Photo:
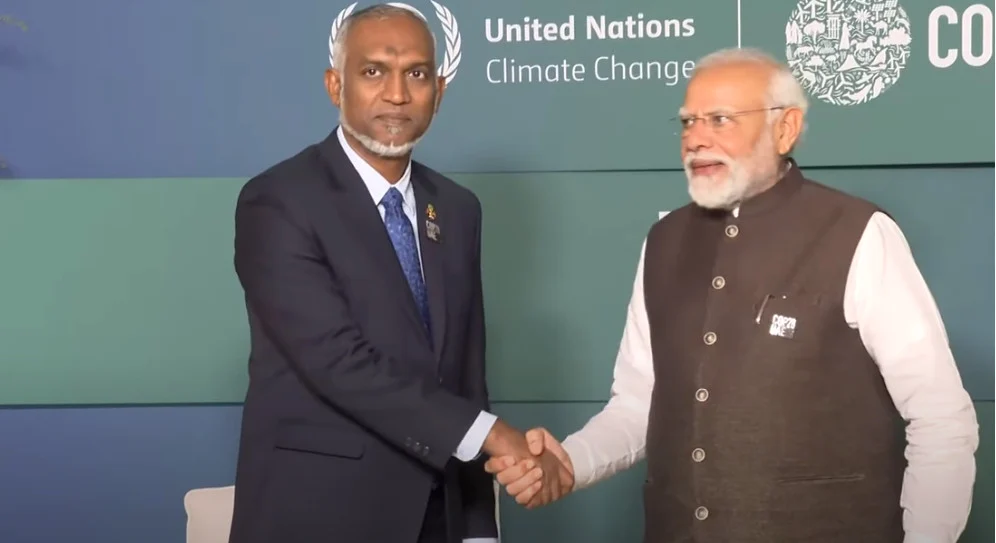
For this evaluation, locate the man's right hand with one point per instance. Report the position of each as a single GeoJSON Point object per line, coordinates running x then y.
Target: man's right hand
{"type": "Point", "coordinates": [530, 484]}
{"type": "Point", "coordinates": [505, 441]}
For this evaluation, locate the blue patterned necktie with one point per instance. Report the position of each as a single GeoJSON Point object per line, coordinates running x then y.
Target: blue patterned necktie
{"type": "Point", "coordinates": [399, 228]}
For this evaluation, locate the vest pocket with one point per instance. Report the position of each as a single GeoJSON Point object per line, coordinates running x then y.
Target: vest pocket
{"type": "Point", "coordinates": [821, 479]}
{"type": "Point", "coordinates": [791, 325]}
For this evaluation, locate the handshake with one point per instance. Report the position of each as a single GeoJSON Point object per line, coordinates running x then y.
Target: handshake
{"type": "Point", "coordinates": [533, 467]}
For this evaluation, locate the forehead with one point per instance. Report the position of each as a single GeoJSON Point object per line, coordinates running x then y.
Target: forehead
{"type": "Point", "coordinates": [397, 35]}
{"type": "Point", "coordinates": [733, 86]}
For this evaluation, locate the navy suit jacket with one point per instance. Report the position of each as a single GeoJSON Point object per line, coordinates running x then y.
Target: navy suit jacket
{"type": "Point", "coordinates": [352, 415]}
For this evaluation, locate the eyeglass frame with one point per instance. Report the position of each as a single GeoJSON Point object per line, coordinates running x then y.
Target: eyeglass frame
{"type": "Point", "coordinates": [708, 117]}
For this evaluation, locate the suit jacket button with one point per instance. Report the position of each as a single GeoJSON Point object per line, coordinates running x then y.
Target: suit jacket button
{"type": "Point", "coordinates": [425, 451]}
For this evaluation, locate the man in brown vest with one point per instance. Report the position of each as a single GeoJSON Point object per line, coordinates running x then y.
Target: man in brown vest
{"type": "Point", "coordinates": [793, 334]}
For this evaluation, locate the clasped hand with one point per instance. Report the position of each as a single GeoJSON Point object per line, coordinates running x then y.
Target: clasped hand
{"type": "Point", "coordinates": [543, 476]}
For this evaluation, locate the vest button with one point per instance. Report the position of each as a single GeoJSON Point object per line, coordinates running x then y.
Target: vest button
{"type": "Point", "coordinates": [701, 513]}
{"type": "Point", "coordinates": [698, 455]}
{"type": "Point", "coordinates": [718, 282]}
{"type": "Point", "coordinates": [709, 338]}
{"type": "Point", "coordinates": [732, 231]}
{"type": "Point", "coordinates": [701, 394]}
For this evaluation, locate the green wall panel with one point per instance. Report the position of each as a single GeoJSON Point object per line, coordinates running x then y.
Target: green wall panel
{"type": "Point", "coordinates": [123, 291]}
{"type": "Point", "coordinates": [613, 510]}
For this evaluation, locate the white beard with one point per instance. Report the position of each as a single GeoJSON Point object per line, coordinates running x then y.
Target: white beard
{"type": "Point", "coordinates": [386, 150]}
{"type": "Point", "coordinates": [743, 176]}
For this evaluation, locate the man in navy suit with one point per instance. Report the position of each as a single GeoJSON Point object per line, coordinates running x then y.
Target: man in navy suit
{"type": "Point", "coordinates": [366, 418]}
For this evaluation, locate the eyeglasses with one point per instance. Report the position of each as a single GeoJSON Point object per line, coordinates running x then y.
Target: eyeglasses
{"type": "Point", "coordinates": [718, 122]}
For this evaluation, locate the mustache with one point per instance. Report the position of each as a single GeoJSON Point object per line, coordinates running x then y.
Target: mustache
{"type": "Point", "coordinates": [707, 157]}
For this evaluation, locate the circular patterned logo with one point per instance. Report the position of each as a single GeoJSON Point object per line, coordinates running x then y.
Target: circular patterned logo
{"type": "Point", "coordinates": [847, 52]}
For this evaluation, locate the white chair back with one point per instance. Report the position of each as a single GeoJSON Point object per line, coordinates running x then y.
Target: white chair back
{"type": "Point", "coordinates": [209, 513]}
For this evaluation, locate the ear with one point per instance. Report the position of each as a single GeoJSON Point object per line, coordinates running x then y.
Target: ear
{"type": "Point", "coordinates": [333, 85]}
{"type": "Point", "coordinates": [788, 129]}
{"type": "Point", "coordinates": [440, 89]}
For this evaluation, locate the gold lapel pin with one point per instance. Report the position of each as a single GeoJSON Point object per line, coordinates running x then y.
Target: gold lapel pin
{"type": "Point", "coordinates": [430, 212]}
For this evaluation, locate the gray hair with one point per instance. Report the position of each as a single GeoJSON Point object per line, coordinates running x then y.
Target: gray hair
{"type": "Point", "coordinates": [376, 11]}
{"type": "Point", "coordinates": [784, 89]}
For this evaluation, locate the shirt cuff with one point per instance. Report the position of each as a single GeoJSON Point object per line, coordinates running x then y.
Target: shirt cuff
{"type": "Point", "coordinates": [581, 460]}
{"type": "Point", "coordinates": [470, 448]}
{"type": "Point", "coordinates": [912, 537]}
{"type": "Point", "coordinates": [481, 540]}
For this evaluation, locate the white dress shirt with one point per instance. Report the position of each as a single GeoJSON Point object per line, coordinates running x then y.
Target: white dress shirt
{"type": "Point", "coordinates": [888, 302]}
{"type": "Point", "coordinates": [470, 447]}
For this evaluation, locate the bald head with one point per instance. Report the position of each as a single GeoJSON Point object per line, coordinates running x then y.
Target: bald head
{"type": "Point", "coordinates": [377, 12]}
{"type": "Point", "coordinates": [743, 113]}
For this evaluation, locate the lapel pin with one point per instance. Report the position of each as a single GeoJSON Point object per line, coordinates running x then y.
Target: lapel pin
{"type": "Point", "coordinates": [430, 212]}
{"type": "Point", "coordinates": [432, 231]}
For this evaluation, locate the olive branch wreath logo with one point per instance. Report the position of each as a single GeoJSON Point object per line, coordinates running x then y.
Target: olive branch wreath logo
{"type": "Point", "coordinates": [451, 31]}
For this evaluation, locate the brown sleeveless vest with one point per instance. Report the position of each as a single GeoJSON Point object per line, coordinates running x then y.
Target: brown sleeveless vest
{"type": "Point", "coordinates": [769, 420]}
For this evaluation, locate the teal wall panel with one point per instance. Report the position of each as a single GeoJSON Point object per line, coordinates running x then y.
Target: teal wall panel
{"type": "Point", "coordinates": [613, 510]}
{"type": "Point", "coordinates": [120, 291]}
{"type": "Point", "coordinates": [123, 291]}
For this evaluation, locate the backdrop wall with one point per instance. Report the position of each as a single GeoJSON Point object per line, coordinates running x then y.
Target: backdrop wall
{"type": "Point", "coordinates": [127, 130]}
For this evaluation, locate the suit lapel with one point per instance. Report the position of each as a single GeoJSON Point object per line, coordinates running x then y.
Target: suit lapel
{"type": "Point", "coordinates": [433, 247]}
{"type": "Point", "coordinates": [361, 215]}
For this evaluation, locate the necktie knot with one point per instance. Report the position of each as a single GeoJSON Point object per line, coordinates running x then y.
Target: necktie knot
{"type": "Point", "coordinates": [392, 200]}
